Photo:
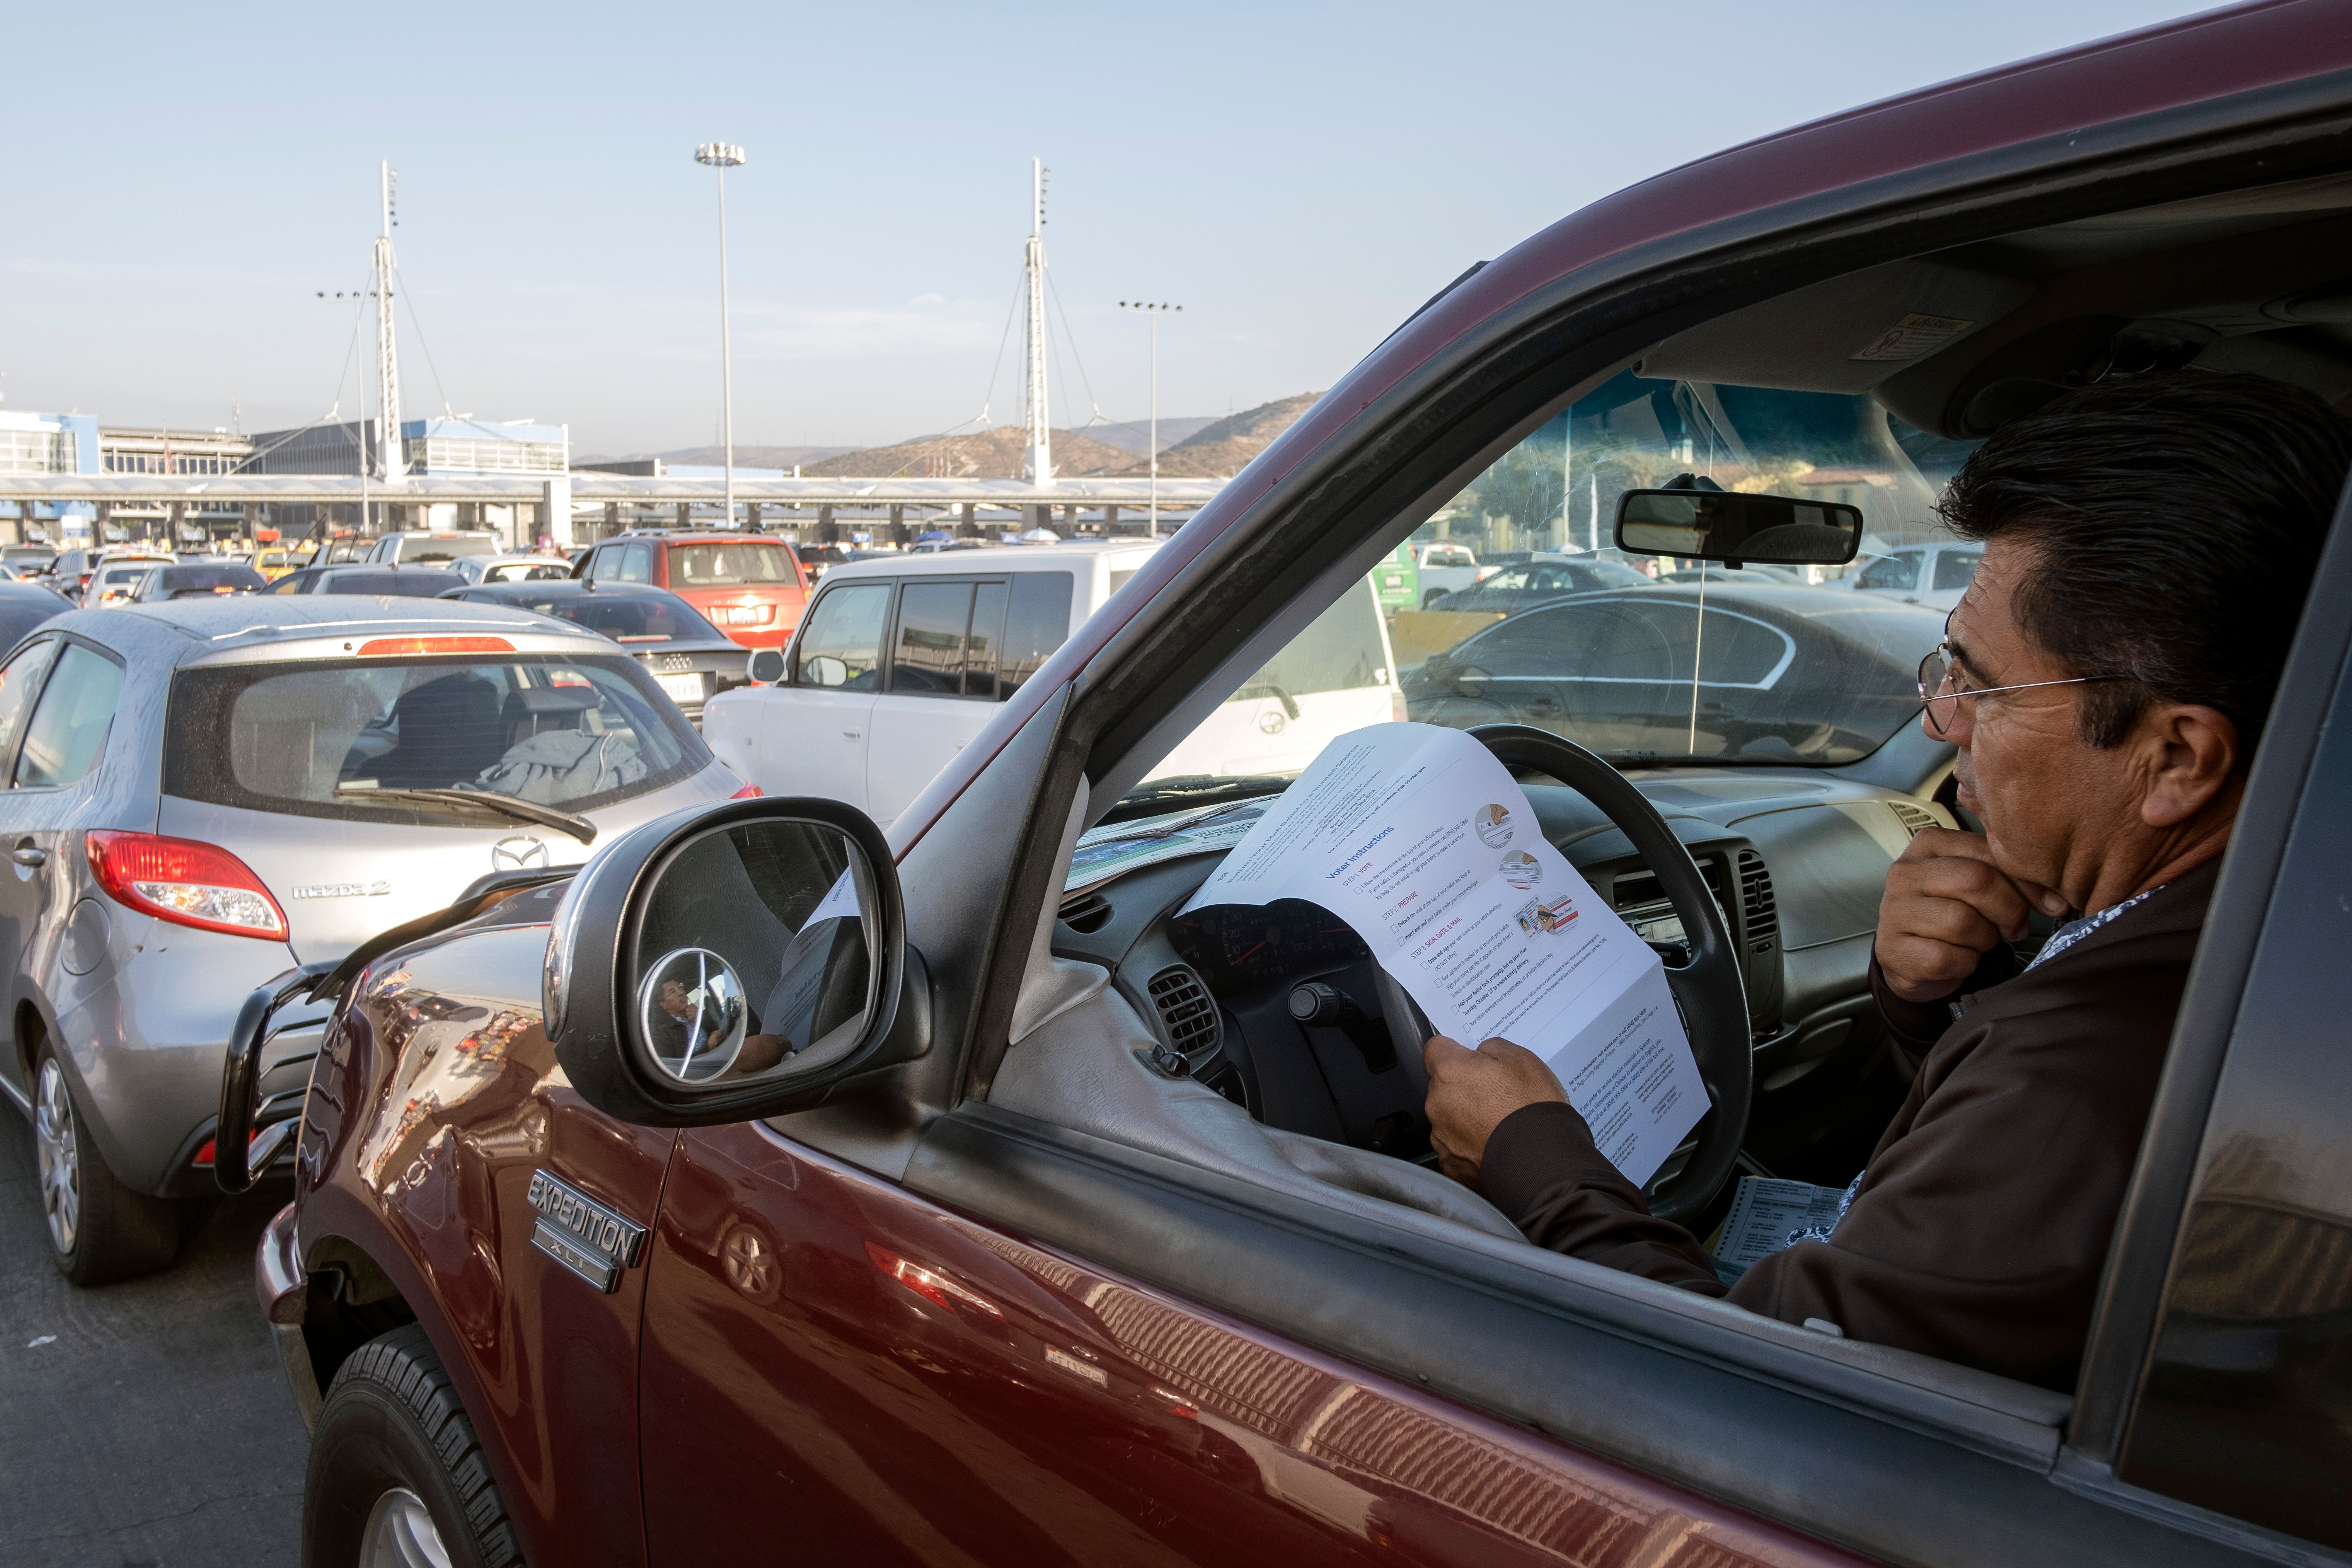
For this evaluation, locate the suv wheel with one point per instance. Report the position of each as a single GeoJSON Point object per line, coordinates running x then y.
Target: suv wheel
{"type": "Point", "coordinates": [99, 1230]}
{"type": "Point", "coordinates": [397, 1477]}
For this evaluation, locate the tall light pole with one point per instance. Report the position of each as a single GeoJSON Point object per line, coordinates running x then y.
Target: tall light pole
{"type": "Point", "coordinates": [1153, 313]}
{"type": "Point", "coordinates": [723, 156]}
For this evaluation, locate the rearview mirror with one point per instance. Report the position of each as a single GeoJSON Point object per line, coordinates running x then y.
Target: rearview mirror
{"type": "Point", "coordinates": [1735, 528]}
{"type": "Point", "coordinates": [731, 963]}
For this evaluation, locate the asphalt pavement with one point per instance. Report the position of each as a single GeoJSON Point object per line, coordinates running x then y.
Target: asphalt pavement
{"type": "Point", "coordinates": [144, 1425]}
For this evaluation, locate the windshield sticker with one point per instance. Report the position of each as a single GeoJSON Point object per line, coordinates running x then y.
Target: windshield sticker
{"type": "Point", "coordinates": [1915, 335]}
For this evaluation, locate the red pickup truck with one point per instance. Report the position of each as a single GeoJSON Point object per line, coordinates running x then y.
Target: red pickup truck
{"type": "Point", "coordinates": [770, 1188]}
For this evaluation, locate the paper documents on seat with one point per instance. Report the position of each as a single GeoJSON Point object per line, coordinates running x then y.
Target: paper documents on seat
{"type": "Point", "coordinates": [1771, 1214]}
{"type": "Point", "coordinates": [1417, 838]}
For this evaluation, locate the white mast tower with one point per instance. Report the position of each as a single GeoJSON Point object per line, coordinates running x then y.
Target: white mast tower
{"type": "Point", "coordinates": [1038, 467]}
{"type": "Point", "coordinates": [392, 468]}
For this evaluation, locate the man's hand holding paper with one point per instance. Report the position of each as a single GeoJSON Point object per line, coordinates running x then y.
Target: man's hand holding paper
{"type": "Point", "coordinates": [1425, 845]}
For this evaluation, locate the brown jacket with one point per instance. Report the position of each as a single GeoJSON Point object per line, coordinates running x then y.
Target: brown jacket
{"type": "Point", "coordinates": [1981, 1222]}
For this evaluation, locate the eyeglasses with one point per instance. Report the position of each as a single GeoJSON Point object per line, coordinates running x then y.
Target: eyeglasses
{"type": "Point", "coordinates": [1943, 706]}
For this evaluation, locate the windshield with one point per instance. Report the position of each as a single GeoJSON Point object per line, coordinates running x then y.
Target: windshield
{"type": "Point", "coordinates": [729, 566]}
{"type": "Point", "coordinates": [313, 739]}
{"type": "Point", "coordinates": [1692, 666]}
{"type": "Point", "coordinates": [179, 582]}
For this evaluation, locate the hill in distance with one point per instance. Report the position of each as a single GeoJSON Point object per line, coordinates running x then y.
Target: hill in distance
{"type": "Point", "coordinates": [745, 457]}
{"type": "Point", "coordinates": [1222, 447]}
{"type": "Point", "coordinates": [991, 454]}
{"type": "Point", "coordinates": [1215, 448]}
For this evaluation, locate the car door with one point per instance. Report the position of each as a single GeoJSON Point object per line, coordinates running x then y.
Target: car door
{"type": "Point", "coordinates": [22, 888]}
{"type": "Point", "coordinates": [57, 755]}
{"type": "Point", "coordinates": [1949, 571]}
{"type": "Point", "coordinates": [809, 733]}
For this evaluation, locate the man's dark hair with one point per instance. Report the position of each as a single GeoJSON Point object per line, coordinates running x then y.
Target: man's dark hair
{"type": "Point", "coordinates": [2175, 522]}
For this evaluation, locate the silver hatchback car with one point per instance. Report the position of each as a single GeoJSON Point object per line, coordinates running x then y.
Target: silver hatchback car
{"type": "Point", "coordinates": [203, 794]}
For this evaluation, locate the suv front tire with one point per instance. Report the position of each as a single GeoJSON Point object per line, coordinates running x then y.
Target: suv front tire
{"type": "Point", "coordinates": [397, 1475]}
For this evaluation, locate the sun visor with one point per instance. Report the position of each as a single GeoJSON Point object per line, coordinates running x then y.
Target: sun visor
{"type": "Point", "coordinates": [1846, 334]}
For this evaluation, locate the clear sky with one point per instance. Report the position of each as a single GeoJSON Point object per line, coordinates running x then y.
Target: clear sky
{"type": "Point", "coordinates": [182, 182]}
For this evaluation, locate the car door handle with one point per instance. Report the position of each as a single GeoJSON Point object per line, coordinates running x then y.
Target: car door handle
{"type": "Point", "coordinates": [851, 734]}
{"type": "Point", "coordinates": [25, 855]}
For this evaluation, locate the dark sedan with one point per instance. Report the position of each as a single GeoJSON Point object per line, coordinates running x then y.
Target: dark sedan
{"type": "Point", "coordinates": [686, 656]}
{"type": "Point", "coordinates": [398, 581]}
{"type": "Point", "coordinates": [1514, 588]}
{"type": "Point", "coordinates": [23, 606]}
{"type": "Point", "coordinates": [1782, 673]}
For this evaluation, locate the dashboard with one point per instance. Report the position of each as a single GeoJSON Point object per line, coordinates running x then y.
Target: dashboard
{"type": "Point", "coordinates": [1281, 1009]}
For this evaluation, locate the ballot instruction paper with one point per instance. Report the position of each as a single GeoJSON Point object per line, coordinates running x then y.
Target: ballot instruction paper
{"type": "Point", "coordinates": [1418, 838]}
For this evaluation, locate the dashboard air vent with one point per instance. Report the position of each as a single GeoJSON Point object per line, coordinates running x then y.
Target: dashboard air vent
{"type": "Point", "coordinates": [1086, 914]}
{"type": "Point", "coordinates": [1916, 819]}
{"type": "Point", "coordinates": [1186, 1009]}
{"type": "Point", "coordinates": [1762, 911]}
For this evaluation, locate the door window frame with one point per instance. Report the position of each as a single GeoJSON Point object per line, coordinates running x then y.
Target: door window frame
{"type": "Point", "coordinates": [48, 678]}
{"type": "Point", "coordinates": [58, 640]}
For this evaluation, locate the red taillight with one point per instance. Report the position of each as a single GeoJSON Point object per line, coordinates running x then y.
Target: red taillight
{"type": "Point", "coordinates": [749, 791]}
{"type": "Point", "coordinates": [179, 879]}
{"type": "Point", "coordinates": [205, 1151]}
{"type": "Point", "coordinates": [396, 647]}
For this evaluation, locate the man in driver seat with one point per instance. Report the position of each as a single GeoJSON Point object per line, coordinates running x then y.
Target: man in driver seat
{"type": "Point", "coordinates": [2148, 546]}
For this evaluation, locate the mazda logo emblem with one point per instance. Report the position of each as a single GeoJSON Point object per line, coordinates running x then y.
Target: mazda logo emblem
{"type": "Point", "coordinates": [520, 852]}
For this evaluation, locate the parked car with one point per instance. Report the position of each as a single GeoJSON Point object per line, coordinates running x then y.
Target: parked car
{"type": "Point", "coordinates": [1935, 576]}
{"type": "Point", "coordinates": [750, 587]}
{"type": "Point", "coordinates": [902, 661]}
{"type": "Point", "coordinates": [816, 559]}
{"type": "Point", "coordinates": [202, 793]}
{"type": "Point", "coordinates": [434, 547]}
{"type": "Point", "coordinates": [116, 578]}
{"type": "Point", "coordinates": [20, 561]}
{"type": "Point", "coordinates": [1446, 567]}
{"type": "Point", "coordinates": [511, 568]}
{"type": "Point", "coordinates": [274, 564]}
{"type": "Point", "coordinates": [773, 1182]}
{"type": "Point", "coordinates": [687, 657]}
{"type": "Point", "coordinates": [1508, 589]}
{"type": "Point", "coordinates": [195, 580]}
{"type": "Point", "coordinates": [1614, 672]}
{"type": "Point", "coordinates": [399, 582]}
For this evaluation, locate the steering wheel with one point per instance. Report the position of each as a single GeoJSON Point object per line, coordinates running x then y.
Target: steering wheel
{"type": "Point", "coordinates": [1709, 989]}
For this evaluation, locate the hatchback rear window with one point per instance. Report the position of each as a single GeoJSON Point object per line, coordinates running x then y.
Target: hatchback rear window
{"type": "Point", "coordinates": [202, 582]}
{"type": "Point", "coordinates": [729, 566]}
{"type": "Point", "coordinates": [320, 739]}
{"type": "Point", "coordinates": [1341, 651]}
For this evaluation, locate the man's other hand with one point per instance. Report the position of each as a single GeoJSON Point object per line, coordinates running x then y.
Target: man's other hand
{"type": "Point", "coordinates": [1946, 906]}
{"type": "Point", "coordinates": [1470, 1092]}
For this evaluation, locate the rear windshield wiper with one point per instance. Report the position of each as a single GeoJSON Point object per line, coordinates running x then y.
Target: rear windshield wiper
{"type": "Point", "coordinates": [506, 805]}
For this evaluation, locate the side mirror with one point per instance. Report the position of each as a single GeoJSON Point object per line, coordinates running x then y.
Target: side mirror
{"type": "Point", "coordinates": [733, 962]}
{"type": "Point", "coordinates": [768, 665]}
{"type": "Point", "coordinates": [825, 669]}
{"type": "Point", "coordinates": [1735, 528]}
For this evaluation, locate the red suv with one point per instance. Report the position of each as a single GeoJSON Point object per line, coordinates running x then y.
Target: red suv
{"type": "Point", "coordinates": [751, 588]}
{"type": "Point", "coordinates": [768, 1188]}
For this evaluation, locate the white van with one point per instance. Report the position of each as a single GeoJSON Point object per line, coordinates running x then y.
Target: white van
{"type": "Point", "coordinates": [898, 662]}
